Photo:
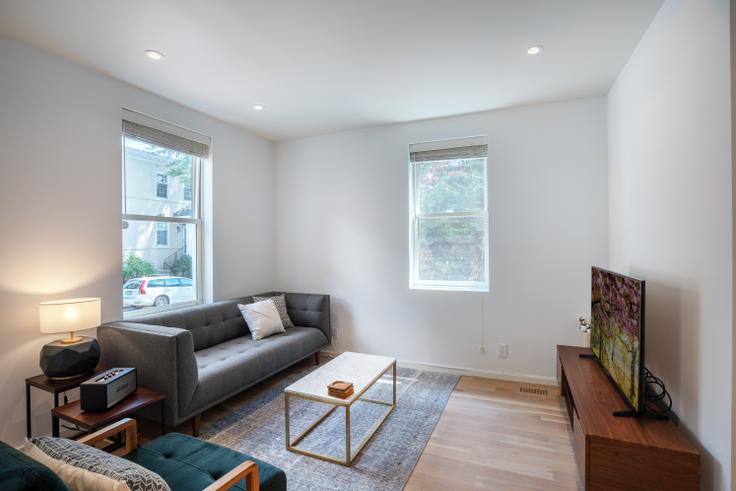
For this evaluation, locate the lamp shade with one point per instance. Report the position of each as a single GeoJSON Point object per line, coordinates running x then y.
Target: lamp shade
{"type": "Point", "coordinates": [75, 314]}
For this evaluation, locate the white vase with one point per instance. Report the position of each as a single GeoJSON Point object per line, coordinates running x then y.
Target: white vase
{"type": "Point", "coordinates": [585, 339]}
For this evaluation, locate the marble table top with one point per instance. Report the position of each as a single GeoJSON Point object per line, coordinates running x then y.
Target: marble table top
{"type": "Point", "coordinates": [360, 369]}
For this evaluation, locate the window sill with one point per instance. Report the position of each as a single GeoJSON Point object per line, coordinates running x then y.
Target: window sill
{"type": "Point", "coordinates": [453, 288]}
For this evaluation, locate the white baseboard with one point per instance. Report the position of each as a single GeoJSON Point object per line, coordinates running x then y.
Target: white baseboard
{"type": "Point", "coordinates": [473, 372]}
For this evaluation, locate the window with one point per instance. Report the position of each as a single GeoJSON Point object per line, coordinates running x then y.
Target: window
{"type": "Point", "coordinates": [162, 185]}
{"type": "Point", "coordinates": [162, 234]}
{"type": "Point", "coordinates": [449, 215]}
{"type": "Point", "coordinates": [162, 238]}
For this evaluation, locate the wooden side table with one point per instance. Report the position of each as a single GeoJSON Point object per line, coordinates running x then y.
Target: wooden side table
{"type": "Point", "coordinates": [92, 420]}
{"type": "Point", "coordinates": [54, 387]}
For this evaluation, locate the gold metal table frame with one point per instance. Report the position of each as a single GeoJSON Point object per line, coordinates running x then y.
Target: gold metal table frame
{"type": "Point", "coordinates": [349, 455]}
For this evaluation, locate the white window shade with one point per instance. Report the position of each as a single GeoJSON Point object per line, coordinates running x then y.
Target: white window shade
{"type": "Point", "coordinates": [458, 148]}
{"type": "Point", "coordinates": [157, 132]}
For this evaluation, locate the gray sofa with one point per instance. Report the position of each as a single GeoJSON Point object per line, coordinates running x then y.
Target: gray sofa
{"type": "Point", "coordinates": [203, 355]}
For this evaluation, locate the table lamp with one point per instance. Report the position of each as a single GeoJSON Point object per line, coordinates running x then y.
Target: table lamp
{"type": "Point", "coordinates": [76, 355]}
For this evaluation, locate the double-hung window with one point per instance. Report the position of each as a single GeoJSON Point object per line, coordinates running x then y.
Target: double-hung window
{"type": "Point", "coordinates": [449, 215]}
{"type": "Point", "coordinates": [162, 224]}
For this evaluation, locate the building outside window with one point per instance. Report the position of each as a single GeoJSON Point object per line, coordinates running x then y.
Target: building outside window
{"type": "Point", "coordinates": [162, 226]}
{"type": "Point", "coordinates": [449, 245]}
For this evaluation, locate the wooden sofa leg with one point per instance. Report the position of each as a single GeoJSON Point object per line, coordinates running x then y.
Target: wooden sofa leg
{"type": "Point", "coordinates": [196, 423]}
{"type": "Point", "coordinates": [316, 358]}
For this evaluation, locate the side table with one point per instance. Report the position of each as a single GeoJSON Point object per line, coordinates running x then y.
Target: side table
{"type": "Point", "coordinates": [54, 387]}
{"type": "Point", "coordinates": [92, 420]}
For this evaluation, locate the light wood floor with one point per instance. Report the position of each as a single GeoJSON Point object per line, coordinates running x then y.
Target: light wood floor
{"type": "Point", "coordinates": [490, 436]}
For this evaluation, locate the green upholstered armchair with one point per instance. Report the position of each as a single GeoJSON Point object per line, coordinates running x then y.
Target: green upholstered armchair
{"type": "Point", "coordinates": [184, 462]}
{"type": "Point", "coordinates": [190, 464]}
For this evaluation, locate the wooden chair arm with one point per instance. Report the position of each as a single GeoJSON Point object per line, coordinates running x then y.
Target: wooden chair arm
{"type": "Point", "coordinates": [248, 470]}
{"type": "Point", "coordinates": [126, 425]}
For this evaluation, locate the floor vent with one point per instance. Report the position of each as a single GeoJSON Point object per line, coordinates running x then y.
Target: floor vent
{"type": "Point", "coordinates": [533, 390]}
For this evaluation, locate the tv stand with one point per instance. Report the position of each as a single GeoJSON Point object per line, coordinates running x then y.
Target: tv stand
{"type": "Point", "coordinates": [616, 453]}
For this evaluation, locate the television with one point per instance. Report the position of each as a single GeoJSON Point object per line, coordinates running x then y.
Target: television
{"type": "Point", "coordinates": [617, 333]}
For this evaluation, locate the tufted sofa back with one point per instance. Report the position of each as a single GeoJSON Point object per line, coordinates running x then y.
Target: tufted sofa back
{"type": "Point", "coordinates": [210, 324]}
{"type": "Point", "coordinates": [215, 323]}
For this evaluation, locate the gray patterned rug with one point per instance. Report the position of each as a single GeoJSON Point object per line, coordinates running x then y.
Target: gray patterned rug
{"type": "Point", "coordinates": [387, 461]}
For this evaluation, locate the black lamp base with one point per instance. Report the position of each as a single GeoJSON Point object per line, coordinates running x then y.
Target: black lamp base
{"type": "Point", "coordinates": [62, 361]}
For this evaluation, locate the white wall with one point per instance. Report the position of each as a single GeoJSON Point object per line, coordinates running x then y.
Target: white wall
{"type": "Point", "coordinates": [60, 188]}
{"type": "Point", "coordinates": [342, 218]}
{"type": "Point", "coordinates": [670, 211]}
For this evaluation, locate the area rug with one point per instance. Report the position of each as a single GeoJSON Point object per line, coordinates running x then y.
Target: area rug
{"type": "Point", "coordinates": [386, 462]}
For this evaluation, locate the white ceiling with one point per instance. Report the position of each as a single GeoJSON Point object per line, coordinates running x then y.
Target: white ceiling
{"type": "Point", "coordinates": [321, 66]}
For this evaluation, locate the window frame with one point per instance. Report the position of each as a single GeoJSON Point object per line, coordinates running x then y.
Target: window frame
{"type": "Point", "coordinates": [415, 215]}
{"type": "Point", "coordinates": [196, 219]}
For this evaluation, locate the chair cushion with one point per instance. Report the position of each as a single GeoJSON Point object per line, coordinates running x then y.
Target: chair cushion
{"type": "Point", "coordinates": [188, 463]}
{"type": "Point", "coordinates": [230, 367]}
{"type": "Point", "coordinates": [22, 473]}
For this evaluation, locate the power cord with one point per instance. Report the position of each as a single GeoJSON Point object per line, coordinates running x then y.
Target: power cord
{"type": "Point", "coordinates": [658, 400]}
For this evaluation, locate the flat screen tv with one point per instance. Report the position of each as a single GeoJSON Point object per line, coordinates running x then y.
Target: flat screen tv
{"type": "Point", "coordinates": [617, 332]}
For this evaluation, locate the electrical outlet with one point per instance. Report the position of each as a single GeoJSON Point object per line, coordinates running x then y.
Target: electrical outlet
{"type": "Point", "coordinates": [503, 350]}
{"type": "Point", "coordinates": [482, 348]}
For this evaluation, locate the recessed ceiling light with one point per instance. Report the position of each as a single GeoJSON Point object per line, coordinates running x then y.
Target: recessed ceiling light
{"type": "Point", "coordinates": [535, 50]}
{"type": "Point", "coordinates": [258, 107]}
{"type": "Point", "coordinates": [154, 55]}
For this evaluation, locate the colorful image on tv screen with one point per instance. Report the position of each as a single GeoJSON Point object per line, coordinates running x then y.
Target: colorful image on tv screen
{"type": "Point", "coordinates": [616, 329]}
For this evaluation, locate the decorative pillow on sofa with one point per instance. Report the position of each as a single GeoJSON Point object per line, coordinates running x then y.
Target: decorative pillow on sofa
{"type": "Point", "coordinates": [280, 301]}
{"type": "Point", "coordinates": [262, 318]}
{"type": "Point", "coordinates": [94, 460]}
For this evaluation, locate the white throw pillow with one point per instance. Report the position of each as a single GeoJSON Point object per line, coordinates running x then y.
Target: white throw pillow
{"type": "Point", "coordinates": [75, 478]}
{"type": "Point", "coordinates": [262, 318]}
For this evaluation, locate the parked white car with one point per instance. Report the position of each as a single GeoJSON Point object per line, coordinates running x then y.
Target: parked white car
{"type": "Point", "coordinates": [157, 291]}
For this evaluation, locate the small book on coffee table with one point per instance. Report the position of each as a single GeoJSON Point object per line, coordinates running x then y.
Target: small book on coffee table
{"type": "Point", "coordinates": [340, 389]}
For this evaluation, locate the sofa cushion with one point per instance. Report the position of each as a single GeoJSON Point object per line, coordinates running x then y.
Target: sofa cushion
{"type": "Point", "coordinates": [188, 463]}
{"type": "Point", "coordinates": [263, 318]}
{"type": "Point", "coordinates": [280, 301]}
{"type": "Point", "coordinates": [229, 367]}
{"type": "Point", "coordinates": [209, 324]}
{"type": "Point", "coordinates": [22, 473]}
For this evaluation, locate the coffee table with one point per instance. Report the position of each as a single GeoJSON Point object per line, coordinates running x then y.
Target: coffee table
{"type": "Point", "coordinates": [360, 369]}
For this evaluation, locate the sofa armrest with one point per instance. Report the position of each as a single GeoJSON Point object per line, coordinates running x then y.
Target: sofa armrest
{"type": "Point", "coordinates": [163, 357]}
{"type": "Point", "coordinates": [310, 310]}
{"type": "Point", "coordinates": [305, 309]}
{"type": "Point", "coordinates": [248, 470]}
